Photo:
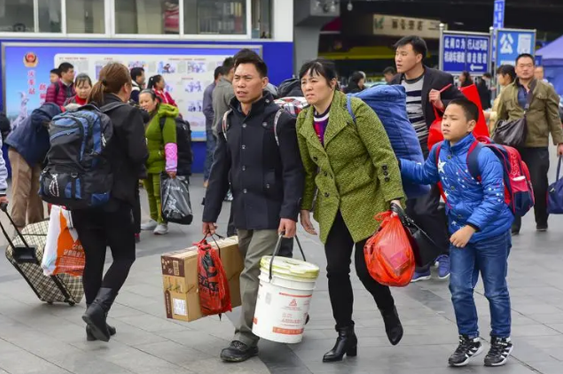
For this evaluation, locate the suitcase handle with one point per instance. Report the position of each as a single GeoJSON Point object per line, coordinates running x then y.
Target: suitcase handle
{"type": "Point", "coordinates": [4, 208]}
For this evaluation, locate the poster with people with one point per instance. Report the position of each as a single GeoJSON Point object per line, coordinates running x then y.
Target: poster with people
{"type": "Point", "coordinates": [186, 71]}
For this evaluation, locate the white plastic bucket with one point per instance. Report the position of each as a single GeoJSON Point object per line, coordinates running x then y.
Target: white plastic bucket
{"type": "Point", "coordinates": [283, 302]}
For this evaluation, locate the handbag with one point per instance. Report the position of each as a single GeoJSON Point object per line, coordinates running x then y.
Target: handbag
{"type": "Point", "coordinates": [555, 193]}
{"type": "Point", "coordinates": [513, 132]}
{"type": "Point", "coordinates": [424, 248]}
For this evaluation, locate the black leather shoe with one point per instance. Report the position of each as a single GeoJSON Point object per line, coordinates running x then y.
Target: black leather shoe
{"type": "Point", "coordinates": [238, 352]}
{"type": "Point", "coordinates": [393, 326]}
{"type": "Point", "coordinates": [96, 314]}
{"type": "Point", "coordinates": [346, 344]}
{"type": "Point", "coordinates": [91, 338]}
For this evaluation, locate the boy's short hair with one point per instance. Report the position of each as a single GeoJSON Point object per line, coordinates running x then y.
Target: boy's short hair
{"type": "Point", "coordinates": [65, 67]}
{"type": "Point", "coordinates": [469, 108]}
{"type": "Point", "coordinates": [56, 72]}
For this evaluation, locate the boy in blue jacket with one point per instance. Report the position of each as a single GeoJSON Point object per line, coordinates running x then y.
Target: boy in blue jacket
{"type": "Point", "coordinates": [479, 224]}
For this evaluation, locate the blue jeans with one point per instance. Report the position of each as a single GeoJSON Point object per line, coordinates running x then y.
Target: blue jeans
{"type": "Point", "coordinates": [490, 257]}
{"type": "Point", "coordinates": [210, 144]}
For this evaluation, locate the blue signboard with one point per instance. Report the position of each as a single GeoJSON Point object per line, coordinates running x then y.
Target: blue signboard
{"type": "Point", "coordinates": [498, 19]}
{"type": "Point", "coordinates": [538, 60]}
{"type": "Point", "coordinates": [465, 52]}
{"type": "Point", "coordinates": [511, 43]}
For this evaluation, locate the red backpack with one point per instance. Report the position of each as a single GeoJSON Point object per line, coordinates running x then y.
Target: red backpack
{"type": "Point", "coordinates": [518, 191]}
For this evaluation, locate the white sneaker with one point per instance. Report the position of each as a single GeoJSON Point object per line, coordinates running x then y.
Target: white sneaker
{"type": "Point", "coordinates": [161, 229]}
{"type": "Point", "coordinates": [149, 226]}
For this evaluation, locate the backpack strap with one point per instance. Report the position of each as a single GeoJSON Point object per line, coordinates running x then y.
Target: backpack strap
{"type": "Point", "coordinates": [225, 124]}
{"type": "Point", "coordinates": [349, 106]}
{"type": "Point", "coordinates": [437, 160]}
{"type": "Point", "coordinates": [276, 119]}
{"type": "Point", "coordinates": [473, 159]}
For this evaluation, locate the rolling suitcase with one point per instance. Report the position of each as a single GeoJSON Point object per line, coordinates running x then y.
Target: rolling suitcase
{"type": "Point", "coordinates": [25, 253]}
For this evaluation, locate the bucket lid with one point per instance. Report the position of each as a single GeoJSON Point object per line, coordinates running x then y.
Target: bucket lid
{"type": "Point", "coordinates": [290, 267]}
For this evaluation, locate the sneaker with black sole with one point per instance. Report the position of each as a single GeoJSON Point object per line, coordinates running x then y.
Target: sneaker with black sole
{"type": "Point", "coordinates": [501, 348]}
{"type": "Point", "coordinates": [541, 228]}
{"type": "Point", "coordinates": [443, 267]}
{"type": "Point", "coordinates": [238, 352]}
{"type": "Point", "coordinates": [466, 349]}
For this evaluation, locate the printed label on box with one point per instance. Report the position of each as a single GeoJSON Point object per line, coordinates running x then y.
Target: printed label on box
{"type": "Point", "coordinates": [180, 307]}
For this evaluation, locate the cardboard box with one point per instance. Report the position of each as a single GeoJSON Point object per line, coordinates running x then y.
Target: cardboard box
{"type": "Point", "coordinates": [180, 279]}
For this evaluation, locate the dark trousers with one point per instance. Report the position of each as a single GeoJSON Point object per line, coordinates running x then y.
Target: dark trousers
{"type": "Point", "coordinates": [98, 229]}
{"type": "Point", "coordinates": [286, 249]}
{"type": "Point", "coordinates": [338, 249]}
{"type": "Point", "coordinates": [137, 211]}
{"type": "Point", "coordinates": [537, 160]}
{"type": "Point", "coordinates": [425, 213]}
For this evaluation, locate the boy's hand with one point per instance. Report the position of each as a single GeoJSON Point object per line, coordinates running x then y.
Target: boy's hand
{"type": "Point", "coordinates": [462, 236]}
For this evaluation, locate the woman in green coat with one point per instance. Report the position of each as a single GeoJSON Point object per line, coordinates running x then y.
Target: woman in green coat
{"type": "Point", "coordinates": [163, 154]}
{"type": "Point", "coordinates": [351, 169]}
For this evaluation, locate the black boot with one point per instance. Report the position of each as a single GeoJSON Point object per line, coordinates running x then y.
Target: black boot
{"type": "Point", "coordinates": [346, 344]}
{"type": "Point", "coordinates": [393, 326]}
{"type": "Point", "coordinates": [91, 338]}
{"type": "Point", "coordinates": [96, 314]}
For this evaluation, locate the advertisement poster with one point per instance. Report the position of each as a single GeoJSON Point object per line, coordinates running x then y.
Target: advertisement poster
{"type": "Point", "coordinates": [187, 71]}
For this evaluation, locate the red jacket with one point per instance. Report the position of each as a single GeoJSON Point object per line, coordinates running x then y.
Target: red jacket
{"type": "Point", "coordinates": [59, 95]}
{"type": "Point", "coordinates": [165, 97]}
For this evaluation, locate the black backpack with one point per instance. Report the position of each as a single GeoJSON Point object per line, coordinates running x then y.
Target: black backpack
{"type": "Point", "coordinates": [184, 145]}
{"type": "Point", "coordinates": [79, 174]}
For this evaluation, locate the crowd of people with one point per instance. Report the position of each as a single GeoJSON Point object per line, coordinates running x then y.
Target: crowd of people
{"type": "Point", "coordinates": [334, 159]}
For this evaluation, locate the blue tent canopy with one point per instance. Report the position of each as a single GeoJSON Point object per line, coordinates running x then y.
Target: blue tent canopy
{"type": "Point", "coordinates": [552, 61]}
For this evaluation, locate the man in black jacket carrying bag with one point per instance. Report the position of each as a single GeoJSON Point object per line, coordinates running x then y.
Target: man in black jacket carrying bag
{"type": "Point", "coordinates": [262, 162]}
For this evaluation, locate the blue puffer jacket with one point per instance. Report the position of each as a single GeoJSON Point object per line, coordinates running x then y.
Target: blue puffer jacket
{"type": "Point", "coordinates": [31, 138]}
{"type": "Point", "coordinates": [480, 204]}
{"type": "Point", "coordinates": [389, 103]}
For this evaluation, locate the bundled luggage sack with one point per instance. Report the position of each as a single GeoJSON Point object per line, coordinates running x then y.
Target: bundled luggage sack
{"type": "Point", "coordinates": [389, 103]}
{"type": "Point", "coordinates": [25, 253]}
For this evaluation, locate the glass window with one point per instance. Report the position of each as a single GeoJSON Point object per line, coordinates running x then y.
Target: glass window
{"type": "Point", "coordinates": [85, 17]}
{"type": "Point", "coordinates": [147, 17]}
{"type": "Point", "coordinates": [16, 16]}
{"type": "Point", "coordinates": [215, 17]}
{"type": "Point", "coordinates": [49, 15]}
{"type": "Point", "coordinates": [261, 19]}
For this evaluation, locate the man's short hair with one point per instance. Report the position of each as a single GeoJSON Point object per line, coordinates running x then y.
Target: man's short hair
{"type": "Point", "coordinates": [228, 65]}
{"type": "Point", "coordinates": [389, 70]}
{"type": "Point", "coordinates": [469, 108]}
{"type": "Point", "coordinates": [55, 71]}
{"type": "Point", "coordinates": [526, 55]}
{"type": "Point", "coordinates": [418, 44]}
{"type": "Point", "coordinates": [136, 72]}
{"type": "Point", "coordinates": [218, 72]}
{"type": "Point", "coordinates": [65, 67]}
{"type": "Point", "coordinates": [247, 56]}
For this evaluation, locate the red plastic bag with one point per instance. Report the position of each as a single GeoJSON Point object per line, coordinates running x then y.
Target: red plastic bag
{"type": "Point", "coordinates": [481, 129]}
{"type": "Point", "coordinates": [389, 255]}
{"type": "Point", "coordinates": [214, 295]}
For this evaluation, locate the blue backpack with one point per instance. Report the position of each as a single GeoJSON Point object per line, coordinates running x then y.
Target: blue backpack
{"type": "Point", "coordinates": [79, 174]}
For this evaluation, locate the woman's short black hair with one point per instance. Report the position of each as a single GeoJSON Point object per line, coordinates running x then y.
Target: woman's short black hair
{"type": "Point", "coordinates": [356, 77]}
{"type": "Point", "coordinates": [320, 66]}
{"type": "Point", "coordinates": [81, 78]}
{"type": "Point", "coordinates": [151, 92]}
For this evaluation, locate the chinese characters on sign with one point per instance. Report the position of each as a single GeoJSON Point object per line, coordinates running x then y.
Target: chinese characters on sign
{"type": "Point", "coordinates": [402, 26]}
{"type": "Point", "coordinates": [465, 53]}
{"type": "Point", "coordinates": [512, 43]}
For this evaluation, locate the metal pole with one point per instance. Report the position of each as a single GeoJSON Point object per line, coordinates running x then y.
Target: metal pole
{"type": "Point", "coordinates": [441, 63]}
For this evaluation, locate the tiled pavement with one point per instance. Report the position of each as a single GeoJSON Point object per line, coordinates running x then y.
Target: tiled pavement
{"type": "Point", "coordinates": [41, 339]}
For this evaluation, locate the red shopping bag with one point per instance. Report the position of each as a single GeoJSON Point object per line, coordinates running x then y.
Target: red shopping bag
{"type": "Point", "coordinates": [389, 255]}
{"type": "Point", "coordinates": [481, 130]}
{"type": "Point", "coordinates": [214, 295]}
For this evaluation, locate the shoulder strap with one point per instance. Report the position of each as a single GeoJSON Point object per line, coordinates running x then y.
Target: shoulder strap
{"type": "Point", "coordinates": [276, 119]}
{"type": "Point", "coordinates": [224, 123]}
{"type": "Point", "coordinates": [111, 106]}
{"type": "Point", "coordinates": [438, 149]}
{"type": "Point", "coordinates": [349, 106]}
{"type": "Point", "coordinates": [57, 89]}
{"type": "Point", "coordinates": [162, 122]}
{"type": "Point", "coordinates": [473, 159]}
{"type": "Point", "coordinates": [530, 96]}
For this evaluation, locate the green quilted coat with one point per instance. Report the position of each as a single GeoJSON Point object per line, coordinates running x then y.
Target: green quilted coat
{"type": "Point", "coordinates": [356, 171]}
{"type": "Point", "coordinates": [158, 137]}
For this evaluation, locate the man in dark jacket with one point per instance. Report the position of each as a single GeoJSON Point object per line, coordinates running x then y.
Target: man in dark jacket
{"type": "Point", "coordinates": [62, 90]}
{"type": "Point", "coordinates": [28, 146]}
{"type": "Point", "coordinates": [423, 86]}
{"type": "Point", "coordinates": [267, 183]}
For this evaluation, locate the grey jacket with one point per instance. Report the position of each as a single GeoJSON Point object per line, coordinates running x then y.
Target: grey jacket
{"type": "Point", "coordinates": [208, 106]}
{"type": "Point", "coordinates": [222, 96]}
{"type": "Point", "coordinates": [3, 172]}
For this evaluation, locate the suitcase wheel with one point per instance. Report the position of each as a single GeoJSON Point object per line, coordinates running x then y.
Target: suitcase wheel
{"type": "Point", "coordinates": [71, 303]}
{"type": "Point", "coordinates": [50, 302]}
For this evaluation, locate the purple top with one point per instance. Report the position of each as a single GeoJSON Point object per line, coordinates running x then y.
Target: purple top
{"type": "Point", "coordinates": [320, 123]}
